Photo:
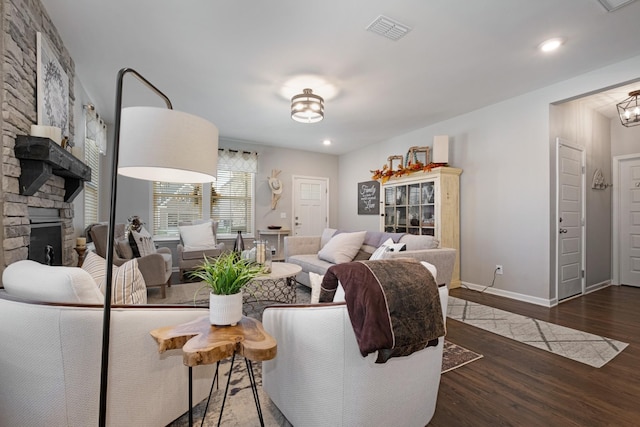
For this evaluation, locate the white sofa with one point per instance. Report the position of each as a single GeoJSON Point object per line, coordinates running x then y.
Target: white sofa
{"type": "Point", "coordinates": [303, 251]}
{"type": "Point", "coordinates": [51, 357]}
{"type": "Point", "coordinates": [319, 377]}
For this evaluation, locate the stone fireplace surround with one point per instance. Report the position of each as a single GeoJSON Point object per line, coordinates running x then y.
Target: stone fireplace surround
{"type": "Point", "coordinates": [19, 23]}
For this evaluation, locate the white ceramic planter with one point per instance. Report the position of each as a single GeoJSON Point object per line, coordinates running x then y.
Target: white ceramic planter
{"type": "Point", "coordinates": [225, 309]}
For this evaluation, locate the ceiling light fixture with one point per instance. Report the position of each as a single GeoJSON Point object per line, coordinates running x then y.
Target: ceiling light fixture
{"type": "Point", "coordinates": [551, 44]}
{"type": "Point", "coordinates": [307, 107]}
{"type": "Point", "coordinates": [629, 110]}
{"type": "Point", "coordinates": [326, 142]}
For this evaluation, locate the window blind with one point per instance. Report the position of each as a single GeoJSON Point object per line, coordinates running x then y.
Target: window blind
{"type": "Point", "coordinates": [174, 202]}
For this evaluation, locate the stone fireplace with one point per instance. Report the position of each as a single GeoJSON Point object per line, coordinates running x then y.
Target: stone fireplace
{"type": "Point", "coordinates": [45, 241]}
{"type": "Point", "coordinates": [18, 27]}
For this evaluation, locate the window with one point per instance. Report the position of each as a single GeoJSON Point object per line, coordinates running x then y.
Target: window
{"type": "Point", "coordinates": [92, 159]}
{"type": "Point", "coordinates": [173, 202]}
{"type": "Point", "coordinates": [230, 201]}
{"type": "Point", "coordinates": [95, 143]}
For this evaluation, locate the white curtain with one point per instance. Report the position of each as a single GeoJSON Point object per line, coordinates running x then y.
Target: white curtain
{"type": "Point", "coordinates": [95, 128]}
{"type": "Point", "coordinates": [237, 160]}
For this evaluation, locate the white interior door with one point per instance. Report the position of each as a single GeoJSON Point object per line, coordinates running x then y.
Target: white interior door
{"type": "Point", "coordinates": [310, 205]}
{"type": "Point", "coordinates": [629, 221]}
{"type": "Point", "coordinates": [570, 226]}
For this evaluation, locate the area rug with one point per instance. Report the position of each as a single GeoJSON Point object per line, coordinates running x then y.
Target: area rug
{"type": "Point", "coordinates": [583, 347]}
{"type": "Point", "coordinates": [240, 409]}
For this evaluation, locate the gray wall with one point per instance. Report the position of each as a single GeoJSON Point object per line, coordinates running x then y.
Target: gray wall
{"type": "Point", "coordinates": [134, 196]}
{"type": "Point", "coordinates": [506, 151]}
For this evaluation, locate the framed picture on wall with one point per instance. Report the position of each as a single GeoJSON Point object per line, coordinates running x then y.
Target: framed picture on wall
{"type": "Point", "coordinates": [52, 88]}
{"type": "Point", "coordinates": [369, 198]}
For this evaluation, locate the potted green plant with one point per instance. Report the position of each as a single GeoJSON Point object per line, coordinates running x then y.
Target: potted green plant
{"type": "Point", "coordinates": [225, 276]}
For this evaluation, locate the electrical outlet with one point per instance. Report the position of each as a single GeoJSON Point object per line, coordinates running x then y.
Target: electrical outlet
{"type": "Point", "coordinates": [498, 269]}
{"type": "Point", "coordinates": [283, 215]}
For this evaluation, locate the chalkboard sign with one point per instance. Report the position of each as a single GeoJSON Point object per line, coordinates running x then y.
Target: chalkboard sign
{"type": "Point", "coordinates": [369, 198]}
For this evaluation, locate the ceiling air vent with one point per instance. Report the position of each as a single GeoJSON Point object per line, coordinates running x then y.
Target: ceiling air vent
{"type": "Point", "coordinates": [388, 28]}
{"type": "Point", "coordinates": [612, 5]}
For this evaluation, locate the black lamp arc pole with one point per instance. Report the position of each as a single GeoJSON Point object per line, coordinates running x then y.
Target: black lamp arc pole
{"type": "Point", "coordinates": [106, 325]}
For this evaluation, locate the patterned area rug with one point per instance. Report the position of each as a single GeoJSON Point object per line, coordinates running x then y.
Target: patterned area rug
{"type": "Point", "coordinates": [580, 346]}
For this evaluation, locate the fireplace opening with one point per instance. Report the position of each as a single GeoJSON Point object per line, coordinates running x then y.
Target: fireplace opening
{"type": "Point", "coordinates": [45, 243]}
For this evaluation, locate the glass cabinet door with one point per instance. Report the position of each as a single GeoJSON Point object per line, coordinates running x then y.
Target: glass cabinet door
{"type": "Point", "coordinates": [410, 208]}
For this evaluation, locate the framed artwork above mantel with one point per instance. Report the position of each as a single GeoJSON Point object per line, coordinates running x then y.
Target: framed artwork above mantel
{"type": "Point", "coordinates": [52, 88]}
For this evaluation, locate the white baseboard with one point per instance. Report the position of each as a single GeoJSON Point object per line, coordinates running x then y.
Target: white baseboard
{"type": "Point", "coordinates": [513, 295]}
{"type": "Point", "coordinates": [597, 286]}
{"type": "Point", "coordinates": [528, 298]}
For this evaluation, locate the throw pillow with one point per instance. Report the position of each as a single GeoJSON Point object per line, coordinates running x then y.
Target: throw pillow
{"type": "Point", "coordinates": [316, 286]}
{"type": "Point", "coordinates": [123, 248]}
{"type": "Point", "coordinates": [198, 236]}
{"type": "Point", "coordinates": [31, 280]}
{"type": "Point", "coordinates": [387, 246]}
{"type": "Point", "coordinates": [342, 247]}
{"type": "Point", "coordinates": [127, 285]}
{"type": "Point", "coordinates": [144, 242]}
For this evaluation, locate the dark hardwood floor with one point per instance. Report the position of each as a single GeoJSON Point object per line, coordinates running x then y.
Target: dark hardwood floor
{"type": "Point", "coordinates": [519, 385]}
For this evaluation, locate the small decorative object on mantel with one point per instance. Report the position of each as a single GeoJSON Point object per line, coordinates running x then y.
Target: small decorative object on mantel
{"type": "Point", "coordinates": [598, 181]}
{"type": "Point", "coordinates": [225, 276]}
{"type": "Point", "coordinates": [276, 187]}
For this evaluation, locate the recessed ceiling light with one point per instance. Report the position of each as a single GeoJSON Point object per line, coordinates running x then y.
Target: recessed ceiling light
{"type": "Point", "coordinates": [327, 142]}
{"type": "Point", "coordinates": [551, 44]}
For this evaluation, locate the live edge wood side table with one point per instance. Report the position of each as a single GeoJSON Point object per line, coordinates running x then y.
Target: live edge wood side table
{"type": "Point", "coordinates": [205, 344]}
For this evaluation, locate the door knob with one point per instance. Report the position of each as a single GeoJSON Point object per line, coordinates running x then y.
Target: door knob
{"type": "Point", "coordinates": [563, 230]}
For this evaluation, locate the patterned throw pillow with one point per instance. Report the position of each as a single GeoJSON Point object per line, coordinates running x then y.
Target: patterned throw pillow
{"type": "Point", "coordinates": [144, 242]}
{"type": "Point", "coordinates": [128, 285]}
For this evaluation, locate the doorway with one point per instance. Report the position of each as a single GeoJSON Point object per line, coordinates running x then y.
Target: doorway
{"type": "Point", "coordinates": [570, 227]}
{"type": "Point", "coordinates": [626, 220]}
{"type": "Point", "coordinates": [310, 205]}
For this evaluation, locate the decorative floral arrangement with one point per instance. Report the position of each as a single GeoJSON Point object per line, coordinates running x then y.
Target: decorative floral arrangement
{"type": "Point", "coordinates": [387, 172]}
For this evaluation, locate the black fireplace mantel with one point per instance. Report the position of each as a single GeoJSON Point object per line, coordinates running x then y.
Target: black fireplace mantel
{"type": "Point", "coordinates": [40, 158]}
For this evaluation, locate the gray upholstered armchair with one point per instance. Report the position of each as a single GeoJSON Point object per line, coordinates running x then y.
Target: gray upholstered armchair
{"type": "Point", "coordinates": [197, 240]}
{"type": "Point", "coordinates": [155, 268]}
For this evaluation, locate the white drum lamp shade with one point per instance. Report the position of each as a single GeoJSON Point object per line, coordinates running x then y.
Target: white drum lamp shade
{"type": "Point", "coordinates": [159, 144]}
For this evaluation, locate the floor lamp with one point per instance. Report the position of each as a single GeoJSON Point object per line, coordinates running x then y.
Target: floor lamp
{"type": "Point", "coordinates": [154, 144]}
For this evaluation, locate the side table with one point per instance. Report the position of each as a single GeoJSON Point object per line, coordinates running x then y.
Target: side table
{"type": "Point", "coordinates": [280, 233]}
{"type": "Point", "coordinates": [204, 344]}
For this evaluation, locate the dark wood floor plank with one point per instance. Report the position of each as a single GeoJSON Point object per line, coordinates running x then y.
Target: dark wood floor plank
{"type": "Point", "coordinates": [518, 385]}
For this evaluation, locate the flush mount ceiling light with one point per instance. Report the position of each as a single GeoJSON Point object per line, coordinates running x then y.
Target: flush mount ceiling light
{"type": "Point", "coordinates": [629, 110]}
{"type": "Point", "coordinates": [307, 107]}
{"type": "Point", "coordinates": [551, 44]}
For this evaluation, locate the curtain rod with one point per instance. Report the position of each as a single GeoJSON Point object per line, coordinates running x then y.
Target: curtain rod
{"type": "Point", "coordinates": [238, 151]}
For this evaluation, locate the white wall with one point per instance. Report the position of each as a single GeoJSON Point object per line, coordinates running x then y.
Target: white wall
{"type": "Point", "coordinates": [506, 153]}
{"type": "Point", "coordinates": [624, 140]}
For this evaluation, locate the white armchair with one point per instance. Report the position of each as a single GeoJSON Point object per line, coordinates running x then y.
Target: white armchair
{"type": "Point", "coordinates": [319, 377]}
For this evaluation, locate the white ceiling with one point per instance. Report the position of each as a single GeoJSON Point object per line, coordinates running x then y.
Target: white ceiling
{"type": "Point", "coordinates": [229, 61]}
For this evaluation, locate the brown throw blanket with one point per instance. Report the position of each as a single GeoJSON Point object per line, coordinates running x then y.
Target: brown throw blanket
{"type": "Point", "coordinates": [394, 305]}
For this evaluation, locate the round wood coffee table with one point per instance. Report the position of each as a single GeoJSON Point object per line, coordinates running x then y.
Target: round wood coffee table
{"type": "Point", "coordinates": [278, 286]}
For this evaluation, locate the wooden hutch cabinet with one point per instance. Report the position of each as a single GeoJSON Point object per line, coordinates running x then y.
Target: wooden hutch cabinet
{"type": "Point", "coordinates": [426, 203]}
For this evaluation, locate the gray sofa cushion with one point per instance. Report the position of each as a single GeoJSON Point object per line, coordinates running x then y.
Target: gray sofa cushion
{"type": "Point", "coordinates": [310, 263]}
